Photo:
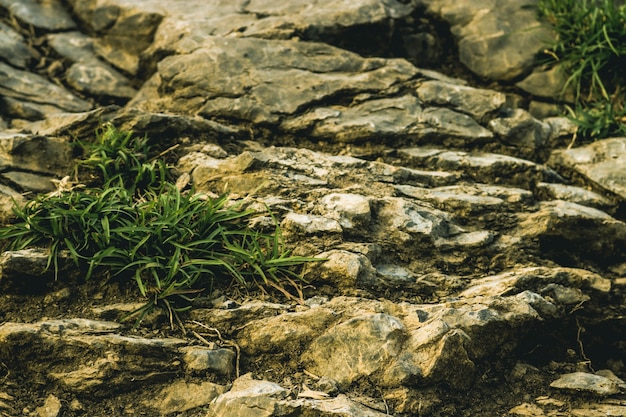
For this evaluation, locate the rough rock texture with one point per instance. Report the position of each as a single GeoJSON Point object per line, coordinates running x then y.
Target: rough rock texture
{"type": "Point", "coordinates": [471, 266]}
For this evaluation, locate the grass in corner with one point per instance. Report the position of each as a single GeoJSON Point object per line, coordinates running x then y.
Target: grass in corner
{"type": "Point", "coordinates": [134, 223]}
{"type": "Point", "coordinates": [591, 46]}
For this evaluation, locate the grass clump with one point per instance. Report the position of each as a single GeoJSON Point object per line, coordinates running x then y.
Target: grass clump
{"type": "Point", "coordinates": [591, 47]}
{"type": "Point", "coordinates": [133, 222]}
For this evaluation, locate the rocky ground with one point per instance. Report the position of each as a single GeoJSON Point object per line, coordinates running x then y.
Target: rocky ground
{"type": "Point", "coordinates": [475, 247]}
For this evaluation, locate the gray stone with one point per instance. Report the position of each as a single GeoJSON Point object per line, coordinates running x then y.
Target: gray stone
{"type": "Point", "coordinates": [295, 225]}
{"type": "Point", "coordinates": [14, 49]}
{"type": "Point", "coordinates": [249, 397]}
{"type": "Point", "coordinates": [30, 87]}
{"type": "Point", "coordinates": [443, 125]}
{"type": "Point", "coordinates": [404, 220]}
{"type": "Point", "coordinates": [573, 194]}
{"type": "Point", "coordinates": [356, 348]}
{"type": "Point", "coordinates": [601, 163]}
{"type": "Point", "coordinates": [125, 29]}
{"type": "Point", "coordinates": [477, 103]}
{"type": "Point", "coordinates": [582, 382]}
{"type": "Point", "coordinates": [187, 25]}
{"type": "Point", "coordinates": [369, 120]}
{"type": "Point", "coordinates": [548, 83]}
{"type": "Point", "coordinates": [47, 15]}
{"type": "Point", "coordinates": [469, 199]}
{"type": "Point", "coordinates": [521, 130]}
{"type": "Point", "coordinates": [275, 78]}
{"type": "Point", "coordinates": [342, 269]}
{"type": "Point", "coordinates": [561, 127]}
{"type": "Point", "coordinates": [99, 80]}
{"type": "Point", "coordinates": [286, 333]}
{"type": "Point", "coordinates": [198, 359]}
{"type": "Point", "coordinates": [28, 182]}
{"type": "Point", "coordinates": [603, 237]}
{"type": "Point", "coordinates": [119, 361]}
{"type": "Point", "coordinates": [535, 279]}
{"type": "Point", "coordinates": [350, 210]}
{"type": "Point", "coordinates": [35, 154]}
{"type": "Point", "coordinates": [489, 40]}
{"type": "Point", "coordinates": [182, 396]}
{"type": "Point", "coordinates": [228, 319]}
{"type": "Point", "coordinates": [73, 46]}
{"type": "Point", "coordinates": [482, 167]}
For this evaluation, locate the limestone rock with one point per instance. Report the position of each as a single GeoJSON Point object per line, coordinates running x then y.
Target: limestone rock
{"type": "Point", "coordinates": [351, 210]}
{"type": "Point", "coordinates": [342, 269]}
{"type": "Point", "coordinates": [600, 162]}
{"type": "Point", "coordinates": [521, 130]}
{"type": "Point", "coordinates": [285, 333]}
{"type": "Point", "coordinates": [364, 121]}
{"type": "Point", "coordinates": [49, 15]}
{"type": "Point", "coordinates": [573, 194]}
{"type": "Point", "coordinates": [13, 48]}
{"type": "Point", "coordinates": [296, 225]}
{"type": "Point", "coordinates": [560, 221]}
{"type": "Point", "coordinates": [499, 169]}
{"type": "Point", "coordinates": [125, 29]}
{"type": "Point", "coordinates": [279, 81]}
{"type": "Point", "coordinates": [355, 348]}
{"type": "Point", "coordinates": [182, 396]}
{"type": "Point", "coordinates": [23, 87]}
{"type": "Point", "coordinates": [477, 103]}
{"type": "Point", "coordinates": [198, 359]}
{"type": "Point", "coordinates": [249, 397]}
{"type": "Point", "coordinates": [489, 40]}
{"type": "Point", "coordinates": [119, 361]}
{"type": "Point", "coordinates": [548, 83]}
{"type": "Point", "coordinates": [578, 382]}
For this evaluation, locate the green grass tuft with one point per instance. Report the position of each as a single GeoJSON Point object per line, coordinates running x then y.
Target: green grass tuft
{"type": "Point", "coordinates": [591, 46]}
{"type": "Point", "coordinates": [138, 225]}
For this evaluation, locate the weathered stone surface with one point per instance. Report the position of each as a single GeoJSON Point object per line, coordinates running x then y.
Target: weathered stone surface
{"type": "Point", "coordinates": [125, 29]}
{"type": "Point", "coordinates": [588, 383]}
{"type": "Point", "coordinates": [548, 83]}
{"type": "Point", "coordinates": [182, 396]}
{"type": "Point", "coordinates": [499, 169]}
{"type": "Point", "coordinates": [343, 269]}
{"type": "Point", "coordinates": [601, 162]}
{"type": "Point", "coordinates": [536, 279]}
{"type": "Point", "coordinates": [198, 359]}
{"type": "Point", "coordinates": [350, 210]}
{"type": "Point", "coordinates": [249, 397]}
{"type": "Point", "coordinates": [276, 78]}
{"type": "Point", "coordinates": [356, 348]}
{"type": "Point", "coordinates": [475, 102]}
{"type": "Point", "coordinates": [489, 41]}
{"type": "Point", "coordinates": [25, 152]}
{"type": "Point", "coordinates": [20, 264]}
{"type": "Point", "coordinates": [289, 331]}
{"type": "Point", "coordinates": [443, 258]}
{"type": "Point", "coordinates": [87, 73]}
{"type": "Point", "coordinates": [573, 194]}
{"type": "Point", "coordinates": [297, 225]}
{"type": "Point", "coordinates": [13, 47]}
{"type": "Point", "coordinates": [561, 221]}
{"type": "Point", "coordinates": [26, 86]}
{"type": "Point", "coordinates": [49, 15]}
{"type": "Point", "coordinates": [367, 120]}
{"type": "Point", "coordinates": [521, 130]}
{"type": "Point", "coordinates": [119, 360]}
